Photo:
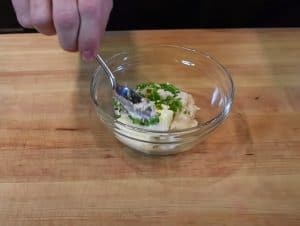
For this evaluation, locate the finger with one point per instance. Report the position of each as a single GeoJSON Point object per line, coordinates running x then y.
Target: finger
{"type": "Point", "coordinates": [66, 22]}
{"type": "Point", "coordinates": [94, 15]}
{"type": "Point", "coordinates": [23, 12]}
{"type": "Point", "coordinates": [41, 16]}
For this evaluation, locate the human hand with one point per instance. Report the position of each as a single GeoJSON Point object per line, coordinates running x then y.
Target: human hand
{"type": "Point", "coordinates": [79, 24]}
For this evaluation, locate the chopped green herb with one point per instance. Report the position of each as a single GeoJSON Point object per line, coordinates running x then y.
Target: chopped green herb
{"type": "Point", "coordinates": [158, 105]}
{"type": "Point", "coordinates": [145, 122]}
{"type": "Point", "coordinates": [169, 87]}
{"type": "Point", "coordinates": [117, 108]}
{"type": "Point", "coordinates": [149, 90]}
{"type": "Point", "coordinates": [175, 105]}
{"type": "Point", "coordinates": [115, 103]}
{"type": "Point", "coordinates": [150, 85]}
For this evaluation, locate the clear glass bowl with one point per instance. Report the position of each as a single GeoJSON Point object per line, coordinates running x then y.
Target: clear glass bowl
{"type": "Point", "coordinates": [191, 71]}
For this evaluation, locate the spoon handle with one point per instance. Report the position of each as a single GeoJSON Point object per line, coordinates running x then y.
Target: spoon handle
{"type": "Point", "coordinates": [107, 70]}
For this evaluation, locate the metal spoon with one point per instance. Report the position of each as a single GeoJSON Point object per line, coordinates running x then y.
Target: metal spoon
{"type": "Point", "coordinates": [131, 101]}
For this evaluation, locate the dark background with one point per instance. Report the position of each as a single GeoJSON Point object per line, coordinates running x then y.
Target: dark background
{"type": "Point", "coordinates": [163, 14]}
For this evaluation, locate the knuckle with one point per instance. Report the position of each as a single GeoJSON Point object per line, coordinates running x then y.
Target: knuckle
{"type": "Point", "coordinates": [66, 20]}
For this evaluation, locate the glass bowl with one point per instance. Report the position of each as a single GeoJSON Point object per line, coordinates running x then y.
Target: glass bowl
{"type": "Point", "coordinates": [191, 71]}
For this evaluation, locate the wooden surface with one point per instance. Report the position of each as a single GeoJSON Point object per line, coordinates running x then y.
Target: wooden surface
{"type": "Point", "coordinates": [60, 166]}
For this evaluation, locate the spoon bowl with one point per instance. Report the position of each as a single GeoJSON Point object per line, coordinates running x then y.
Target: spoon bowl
{"type": "Point", "coordinates": [131, 101]}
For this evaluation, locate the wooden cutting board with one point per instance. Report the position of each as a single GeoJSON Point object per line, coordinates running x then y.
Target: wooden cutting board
{"type": "Point", "coordinates": [60, 166]}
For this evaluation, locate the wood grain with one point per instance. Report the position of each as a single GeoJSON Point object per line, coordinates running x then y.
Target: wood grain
{"type": "Point", "coordinates": [61, 166]}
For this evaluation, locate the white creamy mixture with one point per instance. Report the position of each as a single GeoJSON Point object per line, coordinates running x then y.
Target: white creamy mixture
{"type": "Point", "coordinates": [169, 119]}
{"type": "Point", "coordinates": [175, 110]}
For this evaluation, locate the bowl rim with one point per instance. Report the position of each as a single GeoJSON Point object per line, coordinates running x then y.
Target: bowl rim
{"type": "Point", "coordinates": [211, 123]}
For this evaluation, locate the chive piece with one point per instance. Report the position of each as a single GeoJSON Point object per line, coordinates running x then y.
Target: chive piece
{"type": "Point", "coordinates": [169, 87]}
{"type": "Point", "coordinates": [145, 122]}
{"type": "Point", "coordinates": [149, 90]}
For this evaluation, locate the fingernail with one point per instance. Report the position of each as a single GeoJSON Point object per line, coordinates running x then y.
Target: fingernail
{"type": "Point", "coordinates": [88, 55]}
